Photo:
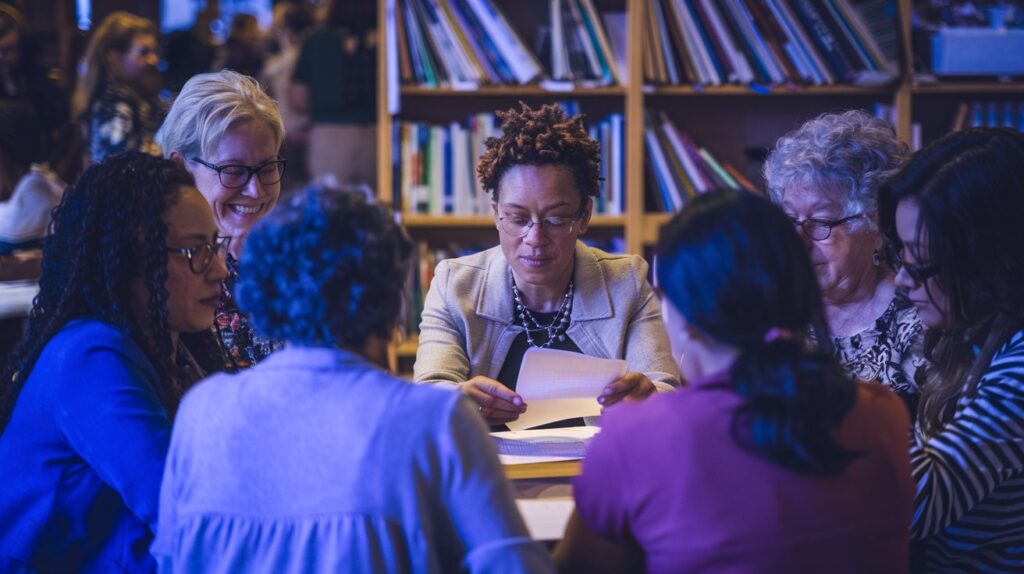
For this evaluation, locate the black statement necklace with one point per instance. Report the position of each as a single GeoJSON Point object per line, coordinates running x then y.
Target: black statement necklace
{"type": "Point", "coordinates": [554, 330]}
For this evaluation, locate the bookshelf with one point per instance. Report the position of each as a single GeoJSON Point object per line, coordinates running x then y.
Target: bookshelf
{"type": "Point", "coordinates": [728, 120]}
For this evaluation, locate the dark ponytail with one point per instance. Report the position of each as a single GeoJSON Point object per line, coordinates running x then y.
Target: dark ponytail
{"type": "Point", "coordinates": [732, 265]}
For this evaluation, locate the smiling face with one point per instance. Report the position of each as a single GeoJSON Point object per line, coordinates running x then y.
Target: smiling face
{"type": "Point", "coordinates": [192, 297]}
{"type": "Point", "coordinates": [248, 143]}
{"type": "Point", "coordinates": [846, 256]}
{"type": "Point", "coordinates": [932, 304]}
{"type": "Point", "coordinates": [543, 258]}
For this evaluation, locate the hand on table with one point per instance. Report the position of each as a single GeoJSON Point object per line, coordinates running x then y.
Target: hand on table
{"type": "Point", "coordinates": [631, 386]}
{"type": "Point", "coordinates": [497, 403]}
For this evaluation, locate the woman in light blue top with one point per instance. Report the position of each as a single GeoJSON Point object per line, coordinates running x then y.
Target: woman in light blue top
{"type": "Point", "coordinates": [317, 460]}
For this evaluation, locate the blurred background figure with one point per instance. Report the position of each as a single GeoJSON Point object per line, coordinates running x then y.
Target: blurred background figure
{"type": "Point", "coordinates": [243, 50]}
{"type": "Point", "coordinates": [28, 190]}
{"type": "Point", "coordinates": [342, 102]}
{"type": "Point", "coordinates": [115, 101]}
{"type": "Point", "coordinates": [292, 23]}
{"type": "Point", "coordinates": [191, 51]}
{"type": "Point", "coordinates": [23, 78]}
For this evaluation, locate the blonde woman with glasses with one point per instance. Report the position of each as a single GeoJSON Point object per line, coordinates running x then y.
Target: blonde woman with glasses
{"type": "Point", "coordinates": [541, 287]}
{"type": "Point", "coordinates": [226, 131]}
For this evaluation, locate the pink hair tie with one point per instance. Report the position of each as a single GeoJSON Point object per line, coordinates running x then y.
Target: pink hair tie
{"type": "Point", "coordinates": [777, 333]}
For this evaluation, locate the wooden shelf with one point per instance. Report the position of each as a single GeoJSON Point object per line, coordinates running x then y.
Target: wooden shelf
{"type": "Point", "coordinates": [482, 221]}
{"type": "Point", "coordinates": [736, 90]}
{"type": "Point", "coordinates": [652, 226]}
{"type": "Point", "coordinates": [969, 88]}
{"type": "Point", "coordinates": [511, 91]}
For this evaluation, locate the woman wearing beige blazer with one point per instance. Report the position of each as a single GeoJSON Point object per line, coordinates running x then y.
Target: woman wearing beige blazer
{"type": "Point", "coordinates": [541, 287]}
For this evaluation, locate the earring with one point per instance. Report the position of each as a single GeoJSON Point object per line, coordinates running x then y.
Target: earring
{"type": "Point", "coordinates": [876, 258]}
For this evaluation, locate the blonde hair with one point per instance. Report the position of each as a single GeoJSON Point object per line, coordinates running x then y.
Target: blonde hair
{"type": "Point", "coordinates": [208, 105]}
{"type": "Point", "coordinates": [116, 32]}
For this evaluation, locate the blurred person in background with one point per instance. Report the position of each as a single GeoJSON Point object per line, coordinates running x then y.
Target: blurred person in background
{"type": "Point", "coordinates": [116, 100]}
{"type": "Point", "coordinates": [292, 23]}
{"type": "Point", "coordinates": [191, 51]}
{"type": "Point", "coordinates": [335, 82]}
{"type": "Point", "coordinates": [23, 78]}
{"type": "Point", "coordinates": [28, 191]}
{"type": "Point", "coordinates": [243, 50]}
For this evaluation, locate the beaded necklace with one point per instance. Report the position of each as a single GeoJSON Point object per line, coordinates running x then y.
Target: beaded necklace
{"type": "Point", "coordinates": [559, 324]}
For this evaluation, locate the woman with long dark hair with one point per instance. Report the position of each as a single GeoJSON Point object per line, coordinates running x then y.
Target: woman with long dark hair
{"type": "Point", "coordinates": [115, 100]}
{"type": "Point", "coordinates": [772, 459]}
{"type": "Point", "coordinates": [953, 217]}
{"type": "Point", "coordinates": [132, 264]}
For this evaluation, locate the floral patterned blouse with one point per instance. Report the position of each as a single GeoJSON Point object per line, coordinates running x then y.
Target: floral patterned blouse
{"type": "Point", "coordinates": [119, 122]}
{"type": "Point", "coordinates": [890, 352]}
{"type": "Point", "coordinates": [244, 347]}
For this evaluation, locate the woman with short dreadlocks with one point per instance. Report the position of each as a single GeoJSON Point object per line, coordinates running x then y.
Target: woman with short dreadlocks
{"type": "Point", "coordinates": [132, 267]}
{"type": "Point", "coordinates": [541, 287]}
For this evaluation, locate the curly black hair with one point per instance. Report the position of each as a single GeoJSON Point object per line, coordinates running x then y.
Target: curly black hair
{"type": "Point", "coordinates": [546, 136]}
{"type": "Point", "coordinates": [326, 270]}
{"type": "Point", "coordinates": [108, 231]}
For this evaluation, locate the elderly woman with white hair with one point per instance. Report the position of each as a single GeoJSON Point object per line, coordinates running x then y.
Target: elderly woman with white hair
{"type": "Point", "coordinates": [826, 176]}
{"type": "Point", "coordinates": [227, 132]}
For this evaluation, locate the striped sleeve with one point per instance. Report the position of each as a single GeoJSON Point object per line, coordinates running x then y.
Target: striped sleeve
{"type": "Point", "coordinates": [980, 449]}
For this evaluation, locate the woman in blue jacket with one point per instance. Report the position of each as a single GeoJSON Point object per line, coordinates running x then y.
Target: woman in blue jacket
{"type": "Point", "coordinates": [133, 262]}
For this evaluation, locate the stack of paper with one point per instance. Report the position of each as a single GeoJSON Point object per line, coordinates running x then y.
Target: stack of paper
{"type": "Point", "coordinates": [547, 445]}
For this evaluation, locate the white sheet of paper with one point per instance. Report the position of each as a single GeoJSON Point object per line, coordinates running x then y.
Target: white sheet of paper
{"type": "Point", "coordinates": [559, 385]}
{"type": "Point", "coordinates": [546, 518]}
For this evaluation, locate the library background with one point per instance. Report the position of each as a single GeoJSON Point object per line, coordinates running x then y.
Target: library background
{"type": "Point", "coordinates": [685, 96]}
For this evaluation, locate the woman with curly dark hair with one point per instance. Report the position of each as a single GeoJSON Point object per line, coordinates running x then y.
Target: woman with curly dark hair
{"type": "Point", "coordinates": [331, 464]}
{"type": "Point", "coordinates": [133, 264]}
{"type": "Point", "coordinates": [541, 287]}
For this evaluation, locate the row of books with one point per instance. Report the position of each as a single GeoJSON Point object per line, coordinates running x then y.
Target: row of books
{"type": "Point", "coordinates": [461, 44]}
{"type": "Point", "coordinates": [576, 45]}
{"type": "Point", "coordinates": [680, 168]}
{"type": "Point", "coordinates": [436, 165]}
{"type": "Point", "coordinates": [988, 115]}
{"type": "Point", "coordinates": [770, 42]}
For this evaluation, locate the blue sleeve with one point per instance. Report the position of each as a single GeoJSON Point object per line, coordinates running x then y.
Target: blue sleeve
{"type": "Point", "coordinates": [479, 499]}
{"type": "Point", "coordinates": [112, 417]}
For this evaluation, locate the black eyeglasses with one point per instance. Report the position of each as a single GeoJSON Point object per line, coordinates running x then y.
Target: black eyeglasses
{"type": "Point", "coordinates": [201, 256]}
{"type": "Point", "coordinates": [821, 229]}
{"type": "Point", "coordinates": [236, 175]}
{"type": "Point", "coordinates": [919, 274]}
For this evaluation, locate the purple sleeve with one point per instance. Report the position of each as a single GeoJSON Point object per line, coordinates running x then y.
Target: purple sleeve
{"type": "Point", "coordinates": [602, 489]}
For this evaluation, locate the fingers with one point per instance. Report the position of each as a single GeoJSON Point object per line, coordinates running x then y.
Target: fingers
{"type": "Point", "coordinates": [631, 385]}
{"type": "Point", "coordinates": [496, 402]}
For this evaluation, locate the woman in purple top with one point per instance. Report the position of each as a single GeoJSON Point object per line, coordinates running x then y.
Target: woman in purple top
{"type": "Point", "coordinates": [772, 460]}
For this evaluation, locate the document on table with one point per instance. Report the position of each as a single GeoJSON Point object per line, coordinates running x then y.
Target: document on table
{"type": "Point", "coordinates": [542, 445]}
{"type": "Point", "coordinates": [558, 385]}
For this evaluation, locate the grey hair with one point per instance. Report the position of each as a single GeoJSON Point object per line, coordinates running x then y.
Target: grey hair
{"type": "Point", "coordinates": [208, 106]}
{"type": "Point", "coordinates": [846, 155]}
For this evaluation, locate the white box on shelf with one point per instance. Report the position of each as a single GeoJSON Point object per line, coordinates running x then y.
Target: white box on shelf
{"type": "Point", "coordinates": [978, 51]}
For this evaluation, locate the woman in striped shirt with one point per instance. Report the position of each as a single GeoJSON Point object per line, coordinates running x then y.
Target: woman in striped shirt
{"type": "Point", "coordinates": [954, 220]}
